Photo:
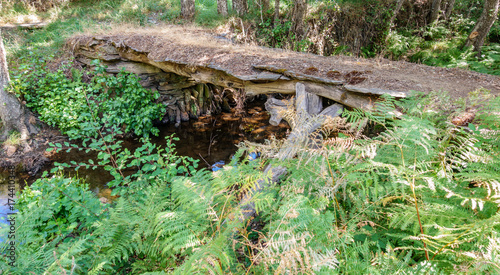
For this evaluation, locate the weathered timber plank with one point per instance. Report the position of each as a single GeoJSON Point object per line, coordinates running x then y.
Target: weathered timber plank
{"type": "Point", "coordinates": [279, 86]}
{"type": "Point", "coordinates": [176, 86]}
{"type": "Point", "coordinates": [374, 91]}
{"type": "Point", "coordinates": [25, 26]}
{"type": "Point", "coordinates": [300, 137]}
{"type": "Point", "coordinates": [296, 75]}
{"type": "Point", "coordinates": [340, 95]}
{"type": "Point", "coordinates": [275, 107]}
{"type": "Point", "coordinates": [133, 67]}
{"type": "Point", "coordinates": [335, 93]}
{"type": "Point", "coordinates": [263, 77]}
{"type": "Point", "coordinates": [306, 102]}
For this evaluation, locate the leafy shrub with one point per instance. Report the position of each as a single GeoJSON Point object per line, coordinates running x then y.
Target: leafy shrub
{"type": "Point", "coordinates": [63, 227]}
{"type": "Point", "coordinates": [72, 105]}
{"type": "Point", "coordinates": [399, 45]}
{"type": "Point", "coordinates": [275, 35]}
{"type": "Point", "coordinates": [489, 62]}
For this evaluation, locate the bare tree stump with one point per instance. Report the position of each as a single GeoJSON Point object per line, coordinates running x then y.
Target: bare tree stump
{"type": "Point", "coordinates": [275, 107]}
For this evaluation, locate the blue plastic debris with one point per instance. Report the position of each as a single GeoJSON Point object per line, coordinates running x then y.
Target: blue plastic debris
{"type": "Point", "coordinates": [217, 166]}
{"type": "Point", "coordinates": [253, 155]}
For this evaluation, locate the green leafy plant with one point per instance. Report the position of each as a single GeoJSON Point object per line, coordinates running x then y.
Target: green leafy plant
{"type": "Point", "coordinates": [73, 105]}
{"type": "Point", "coordinates": [53, 226]}
{"type": "Point", "coordinates": [441, 45]}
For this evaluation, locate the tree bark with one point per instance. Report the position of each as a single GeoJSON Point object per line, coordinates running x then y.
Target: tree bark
{"type": "Point", "coordinates": [399, 4]}
{"type": "Point", "coordinates": [240, 7]}
{"type": "Point", "coordinates": [264, 5]}
{"type": "Point", "coordinates": [222, 7]}
{"type": "Point", "coordinates": [263, 8]}
{"type": "Point", "coordinates": [449, 9]}
{"type": "Point", "coordinates": [435, 10]}
{"type": "Point", "coordinates": [187, 9]}
{"type": "Point", "coordinates": [276, 12]}
{"type": "Point", "coordinates": [298, 14]}
{"type": "Point", "coordinates": [13, 114]}
{"type": "Point", "coordinates": [483, 25]}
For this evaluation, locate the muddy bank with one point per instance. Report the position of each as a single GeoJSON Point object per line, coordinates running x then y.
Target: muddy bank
{"type": "Point", "coordinates": [30, 157]}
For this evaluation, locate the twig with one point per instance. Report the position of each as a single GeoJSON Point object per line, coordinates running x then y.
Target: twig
{"type": "Point", "coordinates": [58, 263]}
{"type": "Point", "coordinates": [204, 160]}
{"type": "Point", "coordinates": [73, 265]}
{"type": "Point", "coordinates": [211, 137]}
{"type": "Point", "coordinates": [108, 150]}
{"type": "Point", "coordinates": [416, 207]}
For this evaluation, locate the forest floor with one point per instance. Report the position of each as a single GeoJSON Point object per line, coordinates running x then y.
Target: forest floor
{"type": "Point", "coordinates": [196, 46]}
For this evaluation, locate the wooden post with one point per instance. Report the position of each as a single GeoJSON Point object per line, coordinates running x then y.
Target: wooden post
{"type": "Point", "coordinates": [308, 120]}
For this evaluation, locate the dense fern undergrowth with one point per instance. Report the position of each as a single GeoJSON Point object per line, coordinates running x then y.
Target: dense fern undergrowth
{"type": "Point", "coordinates": [422, 196]}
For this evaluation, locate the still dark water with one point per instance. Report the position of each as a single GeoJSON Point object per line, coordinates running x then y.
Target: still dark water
{"type": "Point", "coordinates": [209, 139]}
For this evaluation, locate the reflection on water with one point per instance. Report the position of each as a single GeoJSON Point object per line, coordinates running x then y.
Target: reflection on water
{"type": "Point", "coordinates": [210, 139]}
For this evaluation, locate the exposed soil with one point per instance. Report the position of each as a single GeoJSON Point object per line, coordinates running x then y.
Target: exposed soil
{"type": "Point", "coordinates": [30, 156]}
{"type": "Point", "coordinates": [200, 47]}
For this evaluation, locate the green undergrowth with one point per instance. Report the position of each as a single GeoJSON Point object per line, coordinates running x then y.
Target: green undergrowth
{"type": "Point", "coordinates": [421, 197]}
{"type": "Point", "coordinates": [441, 45]}
{"type": "Point", "coordinates": [79, 108]}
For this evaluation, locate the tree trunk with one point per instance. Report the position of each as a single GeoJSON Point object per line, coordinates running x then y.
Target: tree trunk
{"type": "Point", "coordinates": [187, 9]}
{"type": "Point", "coordinates": [399, 4]}
{"type": "Point", "coordinates": [276, 11]}
{"type": "Point", "coordinates": [483, 25]}
{"type": "Point", "coordinates": [264, 4]}
{"type": "Point", "coordinates": [240, 7]}
{"type": "Point", "coordinates": [449, 9]}
{"type": "Point", "coordinates": [435, 10]}
{"type": "Point", "coordinates": [298, 14]}
{"type": "Point", "coordinates": [13, 114]}
{"type": "Point", "coordinates": [222, 7]}
{"type": "Point", "coordinates": [263, 8]}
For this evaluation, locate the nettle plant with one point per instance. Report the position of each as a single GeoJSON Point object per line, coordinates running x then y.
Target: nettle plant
{"type": "Point", "coordinates": [78, 108]}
